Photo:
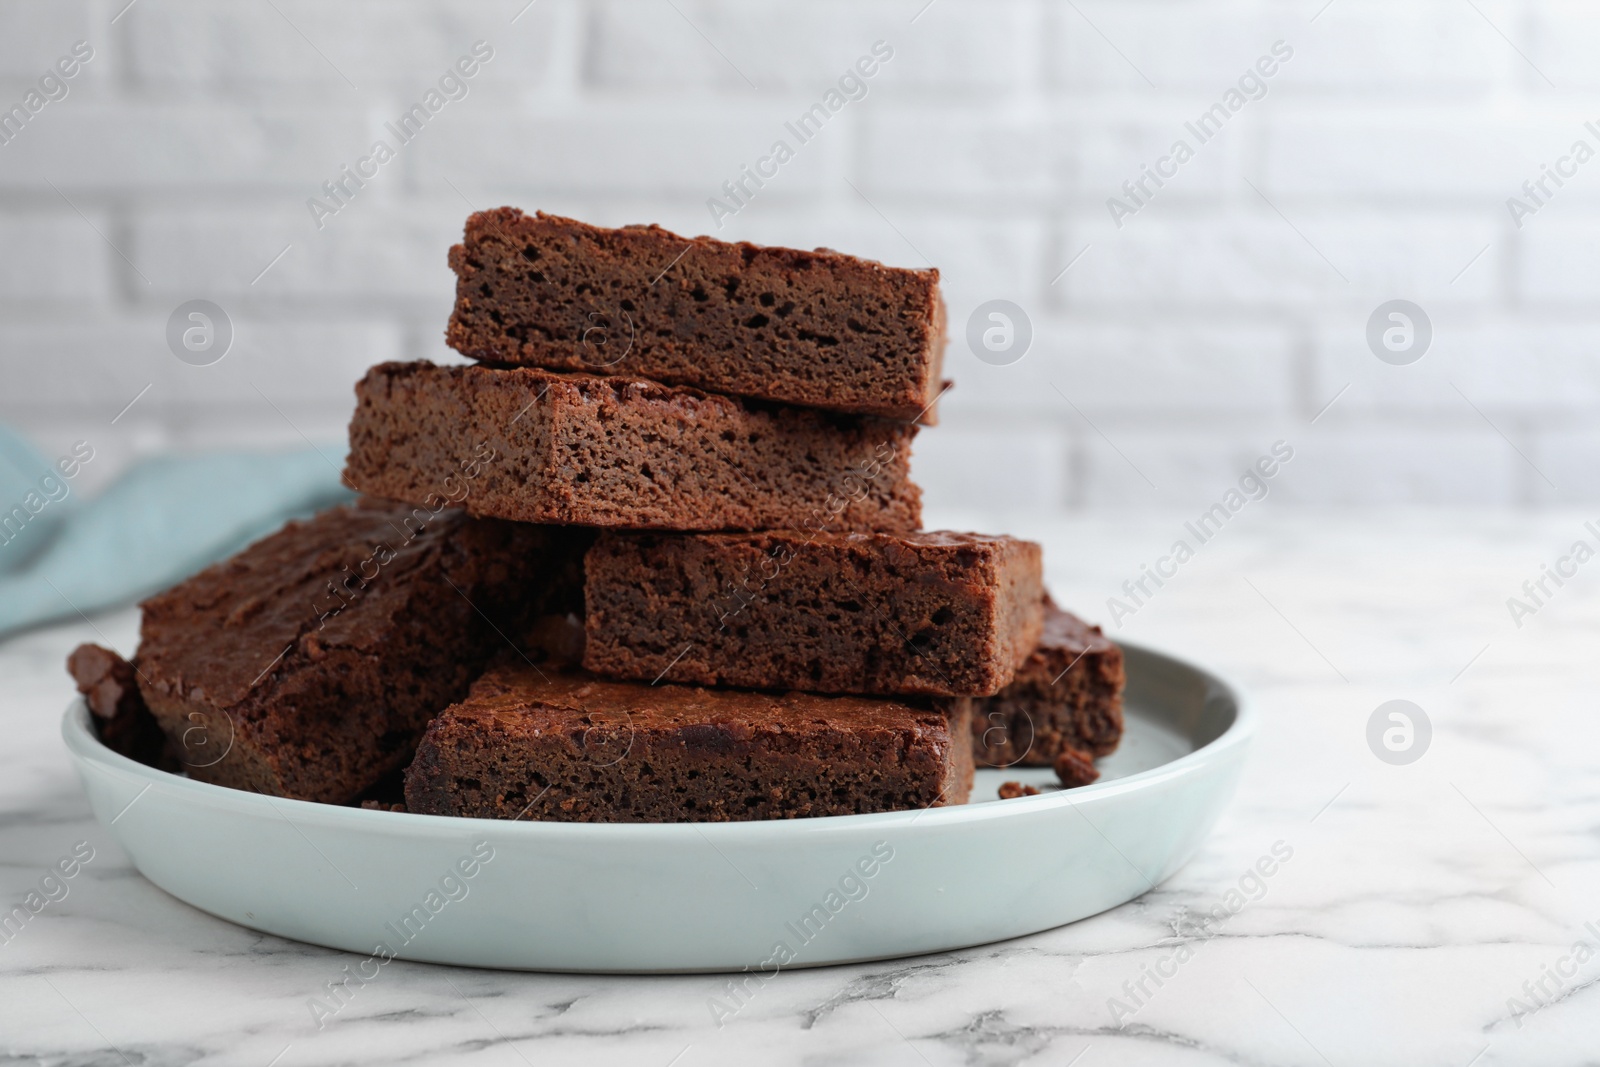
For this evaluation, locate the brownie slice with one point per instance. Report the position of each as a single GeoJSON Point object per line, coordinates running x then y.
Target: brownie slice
{"type": "Point", "coordinates": [535, 743]}
{"type": "Point", "coordinates": [309, 664]}
{"type": "Point", "coordinates": [1068, 695]}
{"type": "Point", "coordinates": [949, 614]}
{"type": "Point", "coordinates": [819, 328]}
{"type": "Point", "coordinates": [593, 451]}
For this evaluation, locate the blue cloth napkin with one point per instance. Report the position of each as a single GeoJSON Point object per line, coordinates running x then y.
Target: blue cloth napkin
{"type": "Point", "coordinates": [161, 521]}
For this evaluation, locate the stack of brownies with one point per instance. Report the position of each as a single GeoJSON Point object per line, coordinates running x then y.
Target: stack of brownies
{"type": "Point", "coordinates": [655, 556]}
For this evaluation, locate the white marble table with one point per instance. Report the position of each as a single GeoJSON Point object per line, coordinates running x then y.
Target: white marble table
{"type": "Point", "coordinates": [1417, 902]}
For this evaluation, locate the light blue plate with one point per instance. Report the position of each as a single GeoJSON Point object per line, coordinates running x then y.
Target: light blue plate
{"type": "Point", "coordinates": [636, 897]}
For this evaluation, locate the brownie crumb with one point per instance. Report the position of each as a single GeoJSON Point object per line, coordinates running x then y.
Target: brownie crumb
{"type": "Point", "coordinates": [1075, 767]}
{"type": "Point", "coordinates": [1012, 790]}
{"type": "Point", "coordinates": [106, 680]}
{"type": "Point", "coordinates": [378, 805]}
{"type": "Point", "coordinates": [110, 686]}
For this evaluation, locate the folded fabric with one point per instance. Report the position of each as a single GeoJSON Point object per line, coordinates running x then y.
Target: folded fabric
{"type": "Point", "coordinates": [161, 521]}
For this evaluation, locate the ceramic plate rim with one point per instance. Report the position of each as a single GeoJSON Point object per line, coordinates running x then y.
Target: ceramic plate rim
{"type": "Point", "coordinates": [83, 744]}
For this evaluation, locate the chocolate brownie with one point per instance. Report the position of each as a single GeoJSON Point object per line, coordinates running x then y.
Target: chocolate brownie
{"type": "Point", "coordinates": [949, 614]}
{"type": "Point", "coordinates": [309, 664]}
{"type": "Point", "coordinates": [819, 328]}
{"type": "Point", "coordinates": [1067, 695]}
{"type": "Point", "coordinates": [540, 744]}
{"type": "Point", "coordinates": [593, 451]}
{"type": "Point", "coordinates": [110, 686]}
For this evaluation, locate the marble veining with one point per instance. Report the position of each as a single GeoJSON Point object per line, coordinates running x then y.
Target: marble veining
{"type": "Point", "coordinates": [1441, 912]}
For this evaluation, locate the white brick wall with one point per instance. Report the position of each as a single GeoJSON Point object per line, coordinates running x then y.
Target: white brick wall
{"type": "Point", "coordinates": [1223, 315]}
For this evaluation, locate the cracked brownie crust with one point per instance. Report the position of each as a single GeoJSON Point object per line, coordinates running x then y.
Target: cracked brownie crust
{"type": "Point", "coordinates": [820, 329]}
{"type": "Point", "coordinates": [308, 665]}
{"type": "Point", "coordinates": [945, 614]}
{"type": "Point", "coordinates": [538, 744]}
{"type": "Point", "coordinates": [596, 451]}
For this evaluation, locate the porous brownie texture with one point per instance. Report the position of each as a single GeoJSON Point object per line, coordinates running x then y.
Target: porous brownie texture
{"type": "Point", "coordinates": [819, 328]}
{"type": "Point", "coordinates": [309, 664]}
{"type": "Point", "coordinates": [944, 614]}
{"type": "Point", "coordinates": [597, 451]}
{"type": "Point", "coordinates": [534, 743]}
{"type": "Point", "coordinates": [1068, 695]}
